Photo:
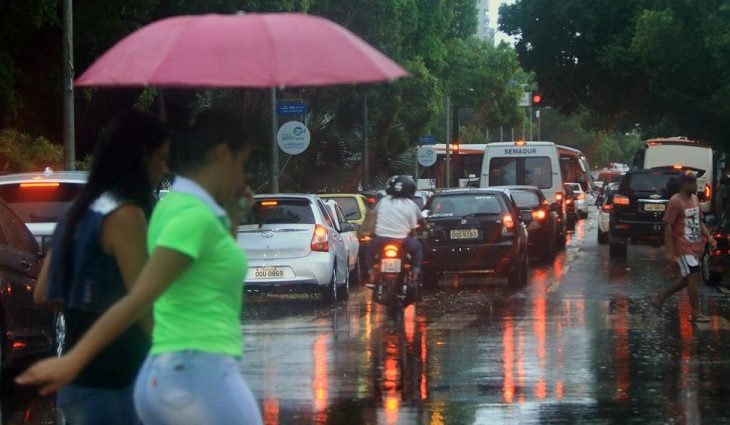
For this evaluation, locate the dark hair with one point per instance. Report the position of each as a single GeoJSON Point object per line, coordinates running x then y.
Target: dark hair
{"type": "Point", "coordinates": [207, 130]}
{"type": "Point", "coordinates": [119, 165]}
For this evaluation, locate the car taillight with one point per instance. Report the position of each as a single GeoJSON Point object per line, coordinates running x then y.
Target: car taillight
{"type": "Point", "coordinates": [39, 185]}
{"type": "Point", "coordinates": [718, 236]}
{"type": "Point", "coordinates": [568, 201]}
{"type": "Point", "coordinates": [708, 192]}
{"type": "Point", "coordinates": [559, 197]}
{"type": "Point", "coordinates": [607, 208]}
{"type": "Point", "coordinates": [365, 238]}
{"type": "Point", "coordinates": [320, 239]}
{"type": "Point", "coordinates": [621, 200]}
{"type": "Point", "coordinates": [539, 214]}
{"type": "Point", "coordinates": [390, 251]}
{"type": "Point", "coordinates": [581, 196]}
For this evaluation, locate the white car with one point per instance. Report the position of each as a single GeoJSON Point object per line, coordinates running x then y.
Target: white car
{"type": "Point", "coordinates": [349, 234]}
{"type": "Point", "coordinates": [604, 212]}
{"type": "Point", "coordinates": [293, 243]}
{"type": "Point", "coordinates": [40, 199]}
{"type": "Point", "coordinates": [581, 200]}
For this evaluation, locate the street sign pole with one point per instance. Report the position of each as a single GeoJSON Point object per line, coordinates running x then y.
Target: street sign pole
{"type": "Point", "coordinates": [365, 144]}
{"type": "Point", "coordinates": [448, 141]}
{"type": "Point", "coordinates": [274, 144]}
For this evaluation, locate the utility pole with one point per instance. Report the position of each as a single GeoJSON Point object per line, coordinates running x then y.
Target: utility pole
{"type": "Point", "coordinates": [69, 133]}
{"type": "Point", "coordinates": [365, 144]}
{"type": "Point", "coordinates": [274, 144]}
{"type": "Point", "coordinates": [448, 141]}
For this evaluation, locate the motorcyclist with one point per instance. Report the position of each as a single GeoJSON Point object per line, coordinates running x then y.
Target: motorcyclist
{"type": "Point", "coordinates": [397, 219]}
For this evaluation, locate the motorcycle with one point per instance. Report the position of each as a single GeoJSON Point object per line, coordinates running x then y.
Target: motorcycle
{"type": "Point", "coordinates": [396, 286]}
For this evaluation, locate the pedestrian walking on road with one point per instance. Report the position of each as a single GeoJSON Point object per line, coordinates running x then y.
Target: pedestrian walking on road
{"type": "Point", "coordinates": [97, 253]}
{"type": "Point", "coordinates": [685, 236]}
{"type": "Point", "coordinates": [193, 278]}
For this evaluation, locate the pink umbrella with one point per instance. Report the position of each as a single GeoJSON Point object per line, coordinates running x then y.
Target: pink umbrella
{"type": "Point", "coordinates": [244, 50]}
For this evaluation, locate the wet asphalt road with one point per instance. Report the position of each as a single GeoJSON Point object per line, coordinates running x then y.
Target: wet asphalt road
{"type": "Point", "coordinates": [578, 344]}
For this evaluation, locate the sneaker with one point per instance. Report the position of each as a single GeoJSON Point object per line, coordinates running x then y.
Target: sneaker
{"type": "Point", "coordinates": [699, 318]}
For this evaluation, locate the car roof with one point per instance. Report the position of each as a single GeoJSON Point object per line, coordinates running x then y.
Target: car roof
{"type": "Point", "coordinates": [341, 195]}
{"type": "Point", "coordinates": [307, 196]}
{"type": "Point", "coordinates": [49, 175]}
{"type": "Point", "coordinates": [468, 191]}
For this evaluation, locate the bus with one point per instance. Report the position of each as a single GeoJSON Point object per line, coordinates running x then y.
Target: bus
{"type": "Point", "coordinates": [681, 153]}
{"type": "Point", "coordinates": [575, 168]}
{"type": "Point", "coordinates": [466, 167]}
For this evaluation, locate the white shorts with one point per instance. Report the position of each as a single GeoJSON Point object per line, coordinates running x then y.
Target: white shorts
{"type": "Point", "coordinates": [688, 264]}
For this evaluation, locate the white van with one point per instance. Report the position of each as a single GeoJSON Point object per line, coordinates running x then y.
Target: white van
{"type": "Point", "coordinates": [524, 163]}
{"type": "Point", "coordinates": [680, 152]}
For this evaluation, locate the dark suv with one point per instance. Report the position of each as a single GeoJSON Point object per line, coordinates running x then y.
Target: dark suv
{"type": "Point", "coordinates": [25, 330]}
{"type": "Point", "coordinates": [476, 231]}
{"type": "Point", "coordinates": [638, 209]}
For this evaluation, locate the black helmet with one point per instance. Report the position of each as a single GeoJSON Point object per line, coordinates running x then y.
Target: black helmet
{"type": "Point", "coordinates": [401, 186]}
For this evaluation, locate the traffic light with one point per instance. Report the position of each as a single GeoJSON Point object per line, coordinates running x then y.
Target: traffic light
{"type": "Point", "coordinates": [536, 99]}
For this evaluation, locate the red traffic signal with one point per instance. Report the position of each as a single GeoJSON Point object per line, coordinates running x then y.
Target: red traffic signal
{"type": "Point", "coordinates": [536, 99]}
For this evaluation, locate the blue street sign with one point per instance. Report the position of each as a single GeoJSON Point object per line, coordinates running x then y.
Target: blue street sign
{"type": "Point", "coordinates": [427, 140]}
{"type": "Point", "coordinates": [296, 107]}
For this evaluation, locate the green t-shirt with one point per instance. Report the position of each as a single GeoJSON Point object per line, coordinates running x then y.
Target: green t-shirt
{"type": "Point", "coordinates": [201, 308]}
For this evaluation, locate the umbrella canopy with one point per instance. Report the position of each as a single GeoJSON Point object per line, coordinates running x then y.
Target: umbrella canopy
{"type": "Point", "coordinates": [244, 50]}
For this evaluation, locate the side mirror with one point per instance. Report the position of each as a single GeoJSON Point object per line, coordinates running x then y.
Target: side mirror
{"type": "Point", "coordinates": [347, 227]}
{"type": "Point", "coordinates": [526, 217]}
{"type": "Point", "coordinates": [555, 207]}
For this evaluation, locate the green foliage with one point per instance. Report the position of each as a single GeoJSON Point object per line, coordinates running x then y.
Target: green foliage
{"type": "Point", "coordinates": [22, 152]}
{"type": "Point", "coordinates": [663, 64]}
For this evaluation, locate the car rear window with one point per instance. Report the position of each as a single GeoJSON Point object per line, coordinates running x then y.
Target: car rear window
{"type": "Point", "coordinates": [530, 171]}
{"type": "Point", "coordinates": [652, 182]}
{"type": "Point", "coordinates": [525, 199]}
{"type": "Point", "coordinates": [461, 205]}
{"type": "Point", "coordinates": [40, 202]}
{"type": "Point", "coordinates": [349, 206]}
{"type": "Point", "coordinates": [282, 211]}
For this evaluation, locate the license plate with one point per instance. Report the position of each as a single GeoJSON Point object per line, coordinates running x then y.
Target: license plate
{"type": "Point", "coordinates": [259, 273]}
{"type": "Point", "coordinates": [654, 207]}
{"type": "Point", "coordinates": [465, 234]}
{"type": "Point", "coordinates": [390, 266]}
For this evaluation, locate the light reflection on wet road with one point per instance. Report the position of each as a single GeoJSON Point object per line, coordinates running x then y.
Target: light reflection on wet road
{"type": "Point", "coordinates": [578, 344]}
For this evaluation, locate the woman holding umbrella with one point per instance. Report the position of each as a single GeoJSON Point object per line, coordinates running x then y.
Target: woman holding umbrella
{"type": "Point", "coordinates": [193, 278]}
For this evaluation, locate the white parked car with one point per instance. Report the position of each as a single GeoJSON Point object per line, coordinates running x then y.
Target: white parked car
{"type": "Point", "coordinates": [348, 232]}
{"type": "Point", "coordinates": [40, 199]}
{"type": "Point", "coordinates": [581, 200]}
{"type": "Point", "coordinates": [293, 243]}
{"type": "Point", "coordinates": [604, 212]}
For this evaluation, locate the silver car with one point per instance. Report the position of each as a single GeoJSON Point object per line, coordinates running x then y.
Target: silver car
{"type": "Point", "coordinates": [40, 199]}
{"type": "Point", "coordinates": [292, 243]}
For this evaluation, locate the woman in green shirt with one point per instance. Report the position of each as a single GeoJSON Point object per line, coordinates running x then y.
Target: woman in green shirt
{"type": "Point", "coordinates": [194, 279]}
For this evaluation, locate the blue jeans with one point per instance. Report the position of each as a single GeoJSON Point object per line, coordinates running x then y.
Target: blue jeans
{"type": "Point", "coordinates": [97, 406]}
{"type": "Point", "coordinates": [412, 245]}
{"type": "Point", "coordinates": [193, 387]}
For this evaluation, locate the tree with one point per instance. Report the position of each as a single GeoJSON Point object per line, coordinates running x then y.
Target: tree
{"type": "Point", "coordinates": [652, 62]}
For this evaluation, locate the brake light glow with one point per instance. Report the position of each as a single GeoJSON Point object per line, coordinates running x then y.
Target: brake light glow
{"type": "Point", "coordinates": [520, 143]}
{"type": "Point", "coordinates": [708, 192]}
{"type": "Point", "coordinates": [390, 251]}
{"type": "Point", "coordinates": [269, 203]}
{"type": "Point", "coordinates": [581, 196]}
{"type": "Point", "coordinates": [568, 201]}
{"type": "Point", "coordinates": [320, 239]}
{"type": "Point", "coordinates": [39, 185]}
{"type": "Point", "coordinates": [718, 236]}
{"type": "Point", "coordinates": [620, 200]}
{"type": "Point", "coordinates": [607, 208]}
{"type": "Point", "coordinates": [17, 345]}
{"type": "Point", "coordinates": [365, 238]}
{"type": "Point", "coordinates": [559, 196]}
{"type": "Point", "coordinates": [539, 214]}
{"type": "Point", "coordinates": [508, 222]}
{"type": "Point", "coordinates": [677, 166]}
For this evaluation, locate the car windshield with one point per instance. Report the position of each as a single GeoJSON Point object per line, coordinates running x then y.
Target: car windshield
{"type": "Point", "coordinates": [40, 202]}
{"type": "Point", "coordinates": [462, 205]}
{"type": "Point", "coordinates": [525, 199]}
{"type": "Point", "coordinates": [282, 211]}
{"type": "Point", "coordinates": [575, 186]}
{"type": "Point", "coordinates": [530, 171]}
{"type": "Point", "coordinates": [349, 206]}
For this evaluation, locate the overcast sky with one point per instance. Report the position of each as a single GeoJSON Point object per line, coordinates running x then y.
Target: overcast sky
{"type": "Point", "coordinates": [494, 15]}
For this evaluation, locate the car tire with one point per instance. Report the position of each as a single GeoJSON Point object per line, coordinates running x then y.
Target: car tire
{"type": "Point", "coordinates": [709, 277]}
{"type": "Point", "coordinates": [617, 251]}
{"type": "Point", "coordinates": [356, 273]}
{"type": "Point", "coordinates": [431, 279]}
{"type": "Point", "coordinates": [548, 255]}
{"type": "Point", "coordinates": [602, 237]}
{"type": "Point", "coordinates": [518, 276]}
{"type": "Point", "coordinates": [343, 291]}
{"type": "Point", "coordinates": [329, 292]}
